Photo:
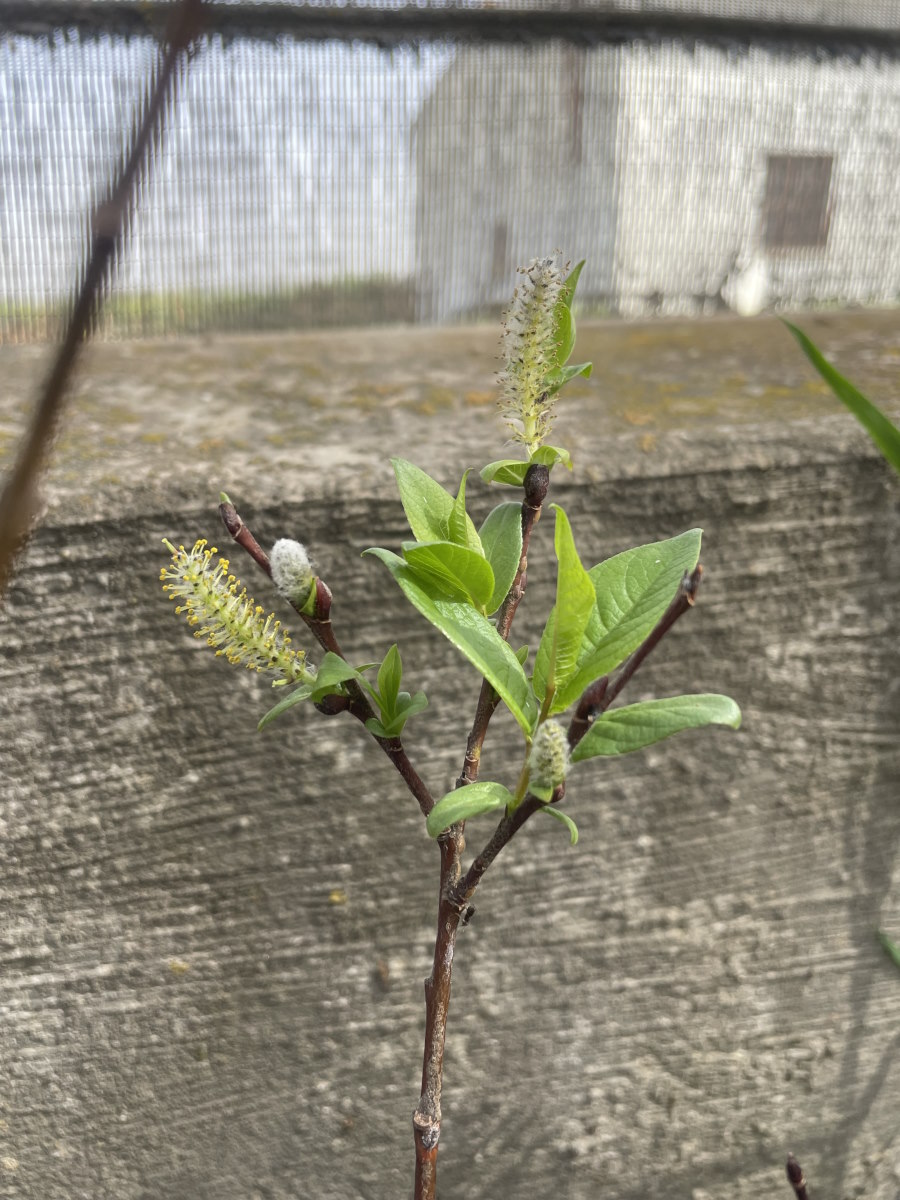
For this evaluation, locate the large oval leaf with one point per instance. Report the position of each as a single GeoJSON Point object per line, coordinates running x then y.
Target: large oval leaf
{"type": "Point", "coordinates": [465, 802]}
{"type": "Point", "coordinates": [501, 539]}
{"type": "Point", "coordinates": [458, 572]}
{"type": "Point", "coordinates": [633, 590]}
{"type": "Point", "coordinates": [473, 635]}
{"type": "Point", "coordinates": [637, 725]}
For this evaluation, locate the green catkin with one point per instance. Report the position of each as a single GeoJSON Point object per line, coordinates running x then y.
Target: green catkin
{"type": "Point", "coordinates": [529, 348]}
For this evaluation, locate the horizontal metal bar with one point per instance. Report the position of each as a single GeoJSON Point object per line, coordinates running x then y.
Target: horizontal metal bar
{"type": "Point", "coordinates": [392, 27]}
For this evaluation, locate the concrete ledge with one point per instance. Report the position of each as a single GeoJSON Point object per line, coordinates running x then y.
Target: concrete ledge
{"type": "Point", "coordinates": [213, 941]}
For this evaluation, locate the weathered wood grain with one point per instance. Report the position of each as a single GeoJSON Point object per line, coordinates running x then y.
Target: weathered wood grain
{"type": "Point", "coordinates": [212, 942]}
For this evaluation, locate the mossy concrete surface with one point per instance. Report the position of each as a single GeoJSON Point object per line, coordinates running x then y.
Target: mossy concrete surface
{"type": "Point", "coordinates": [213, 942]}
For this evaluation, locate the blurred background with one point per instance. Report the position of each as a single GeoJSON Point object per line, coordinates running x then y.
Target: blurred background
{"type": "Point", "coordinates": [360, 163]}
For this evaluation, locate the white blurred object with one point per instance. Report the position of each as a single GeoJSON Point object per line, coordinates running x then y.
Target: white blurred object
{"type": "Point", "coordinates": [746, 292]}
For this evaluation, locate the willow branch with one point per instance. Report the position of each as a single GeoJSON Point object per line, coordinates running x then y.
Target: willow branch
{"type": "Point", "coordinates": [599, 695]}
{"type": "Point", "coordinates": [319, 624]}
{"type": "Point", "coordinates": [536, 485]}
{"type": "Point", "coordinates": [427, 1116]}
{"type": "Point", "coordinates": [19, 499]}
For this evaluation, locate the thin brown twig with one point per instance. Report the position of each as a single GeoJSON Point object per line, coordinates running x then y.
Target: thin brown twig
{"type": "Point", "coordinates": [536, 484]}
{"type": "Point", "coordinates": [796, 1178]}
{"type": "Point", "coordinates": [427, 1116]}
{"type": "Point", "coordinates": [319, 623]}
{"type": "Point", "coordinates": [19, 499]}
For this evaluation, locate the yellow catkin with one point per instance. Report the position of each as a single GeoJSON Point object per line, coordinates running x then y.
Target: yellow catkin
{"type": "Point", "coordinates": [230, 620]}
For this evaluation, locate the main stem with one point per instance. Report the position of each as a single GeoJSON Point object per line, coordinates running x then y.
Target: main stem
{"type": "Point", "coordinates": [427, 1117]}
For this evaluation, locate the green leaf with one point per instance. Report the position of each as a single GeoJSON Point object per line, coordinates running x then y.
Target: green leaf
{"type": "Point", "coordinates": [513, 470]}
{"type": "Point", "coordinates": [506, 470]}
{"type": "Point", "coordinates": [407, 707]}
{"type": "Point", "coordinates": [461, 531]}
{"type": "Point", "coordinates": [566, 820]}
{"type": "Point", "coordinates": [556, 379]}
{"type": "Point", "coordinates": [633, 591]}
{"type": "Point", "coordinates": [460, 573]}
{"type": "Point", "coordinates": [389, 675]}
{"type": "Point", "coordinates": [427, 505]}
{"type": "Point", "coordinates": [549, 456]}
{"type": "Point", "coordinates": [637, 725]}
{"type": "Point", "coordinates": [466, 802]}
{"type": "Point", "coordinates": [567, 291]}
{"type": "Point", "coordinates": [522, 654]}
{"type": "Point", "coordinates": [332, 673]}
{"type": "Point", "coordinates": [501, 538]}
{"type": "Point", "coordinates": [563, 334]}
{"type": "Point", "coordinates": [472, 634]}
{"type": "Point", "coordinates": [883, 432]}
{"type": "Point", "coordinates": [410, 706]}
{"type": "Point", "coordinates": [297, 696]}
{"type": "Point", "coordinates": [575, 600]}
{"type": "Point", "coordinates": [891, 949]}
{"type": "Point", "coordinates": [564, 322]}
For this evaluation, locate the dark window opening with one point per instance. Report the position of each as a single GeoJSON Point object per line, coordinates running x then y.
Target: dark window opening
{"type": "Point", "coordinates": [796, 209]}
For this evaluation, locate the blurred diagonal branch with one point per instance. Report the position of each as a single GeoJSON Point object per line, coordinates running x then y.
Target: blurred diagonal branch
{"type": "Point", "coordinates": [19, 498]}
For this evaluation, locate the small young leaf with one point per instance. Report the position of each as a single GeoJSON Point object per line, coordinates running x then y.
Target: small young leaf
{"type": "Point", "coordinates": [376, 728]}
{"type": "Point", "coordinates": [549, 456]}
{"type": "Point", "coordinates": [407, 707]}
{"type": "Point", "coordinates": [633, 591]}
{"type": "Point", "coordinates": [522, 654]}
{"type": "Point", "coordinates": [575, 600]}
{"type": "Point", "coordinates": [460, 529]}
{"type": "Point", "coordinates": [637, 725]}
{"type": "Point", "coordinates": [566, 820]}
{"type": "Point", "coordinates": [296, 697]}
{"type": "Point", "coordinates": [506, 470]}
{"type": "Point", "coordinates": [883, 432]}
{"type": "Point", "coordinates": [556, 379]}
{"type": "Point", "coordinates": [466, 802]}
{"type": "Point", "coordinates": [427, 505]}
{"type": "Point", "coordinates": [563, 334]}
{"type": "Point", "coordinates": [389, 675]}
{"type": "Point", "coordinates": [567, 291]}
{"type": "Point", "coordinates": [460, 573]}
{"type": "Point", "coordinates": [472, 634]}
{"type": "Point", "coordinates": [501, 538]}
{"type": "Point", "coordinates": [332, 673]}
{"type": "Point", "coordinates": [513, 470]}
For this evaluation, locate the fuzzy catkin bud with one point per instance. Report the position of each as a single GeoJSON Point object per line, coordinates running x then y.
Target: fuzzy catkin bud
{"type": "Point", "coordinates": [292, 571]}
{"type": "Point", "coordinates": [548, 761]}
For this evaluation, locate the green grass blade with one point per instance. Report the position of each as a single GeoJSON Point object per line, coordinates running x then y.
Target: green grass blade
{"type": "Point", "coordinates": [883, 432]}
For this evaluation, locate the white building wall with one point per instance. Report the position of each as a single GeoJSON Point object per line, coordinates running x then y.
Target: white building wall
{"type": "Point", "coordinates": [695, 130]}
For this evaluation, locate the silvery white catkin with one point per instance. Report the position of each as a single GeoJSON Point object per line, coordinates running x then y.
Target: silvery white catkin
{"type": "Point", "coordinates": [292, 571]}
